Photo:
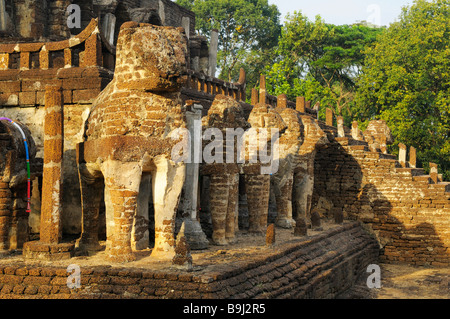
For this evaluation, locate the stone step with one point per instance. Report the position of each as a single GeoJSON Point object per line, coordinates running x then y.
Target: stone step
{"type": "Point", "coordinates": [413, 171]}
{"type": "Point", "coordinates": [388, 156]}
{"type": "Point", "coordinates": [358, 147]}
{"type": "Point", "coordinates": [426, 178]}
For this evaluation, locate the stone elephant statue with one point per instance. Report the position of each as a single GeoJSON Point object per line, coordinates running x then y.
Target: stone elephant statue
{"type": "Point", "coordinates": [128, 143]}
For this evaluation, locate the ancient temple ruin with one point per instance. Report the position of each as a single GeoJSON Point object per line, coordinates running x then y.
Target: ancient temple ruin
{"type": "Point", "coordinates": [103, 106]}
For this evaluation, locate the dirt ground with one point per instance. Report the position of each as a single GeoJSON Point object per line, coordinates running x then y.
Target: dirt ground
{"type": "Point", "coordinates": [404, 282]}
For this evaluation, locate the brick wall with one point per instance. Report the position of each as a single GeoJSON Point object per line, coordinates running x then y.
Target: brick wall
{"type": "Point", "coordinates": [24, 89]}
{"type": "Point", "coordinates": [322, 266]}
{"type": "Point", "coordinates": [407, 211]}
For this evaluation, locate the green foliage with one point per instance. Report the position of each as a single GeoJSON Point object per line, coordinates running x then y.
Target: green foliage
{"type": "Point", "coordinates": [320, 61]}
{"type": "Point", "coordinates": [248, 30]}
{"type": "Point", "coordinates": [406, 81]}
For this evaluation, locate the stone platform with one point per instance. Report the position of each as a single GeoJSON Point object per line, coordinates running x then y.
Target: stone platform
{"type": "Point", "coordinates": [322, 265]}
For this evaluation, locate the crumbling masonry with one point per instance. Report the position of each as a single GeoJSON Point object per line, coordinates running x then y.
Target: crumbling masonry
{"type": "Point", "coordinates": [101, 107]}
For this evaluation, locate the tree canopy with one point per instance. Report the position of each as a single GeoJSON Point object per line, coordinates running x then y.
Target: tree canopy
{"type": "Point", "coordinates": [320, 61]}
{"type": "Point", "coordinates": [248, 30]}
{"type": "Point", "coordinates": [406, 81]}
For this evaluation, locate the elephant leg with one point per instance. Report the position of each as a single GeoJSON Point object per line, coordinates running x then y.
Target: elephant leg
{"type": "Point", "coordinates": [91, 195]}
{"type": "Point", "coordinates": [257, 188]}
{"type": "Point", "coordinates": [218, 192]}
{"type": "Point", "coordinates": [140, 234]}
{"type": "Point", "coordinates": [302, 194]}
{"type": "Point", "coordinates": [6, 205]}
{"type": "Point", "coordinates": [167, 184]}
{"type": "Point", "coordinates": [122, 180]}
{"type": "Point", "coordinates": [284, 205]}
{"type": "Point", "coordinates": [232, 209]}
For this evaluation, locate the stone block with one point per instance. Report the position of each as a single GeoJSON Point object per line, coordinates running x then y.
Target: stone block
{"type": "Point", "coordinates": [10, 86]}
{"type": "Point", "coordinates": [84, 96]}
{"type": "Point", "coordinates": [27, 98]}
{"type": "Point", "coordinates": [300, 104]}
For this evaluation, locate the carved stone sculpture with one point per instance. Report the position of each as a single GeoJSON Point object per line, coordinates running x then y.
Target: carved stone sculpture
{"type": "Point", "coordinates": [128, 141]}
{"type": "Point", "coordinates": [225, 118]}
{"type": "Point", "coordinates": [303, 180]}
{"type": "Point", "coordinates": [282, 181]}
{"type": "Point", "coordinates": [260, 161]}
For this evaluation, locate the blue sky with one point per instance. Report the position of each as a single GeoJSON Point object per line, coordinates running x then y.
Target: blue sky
{"type": "Point", "coordinates": [381, 12]}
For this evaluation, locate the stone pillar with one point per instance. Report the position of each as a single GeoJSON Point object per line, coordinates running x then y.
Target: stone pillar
{"type": "Point", "coordinates": [340, 126]}
{"type": "Point", "coordinates": [186, 24]}
{"type": "Point", "coordinates": [356, 132]}
{"type": "Point", "coordinates": [108, 27]}
{"type": "Point", "coordinates": [434, 172]}
{"type": "Point", "coordinates": [213, 47]}
{"type": "Point", "coordinates": [402, 154]}
{"type": "Point", "coordinates": [193, 230]}
{"type": "Point", "coordinates": [412, 157]}
{"type": "Point", "coordinates": [5, 217]}
{"type": "Point", "coordinates": [300, 104]}
{"type": "Point", "coordinates": [329, 117]}
{"type": "Point", "coordinates": [49, 246]}
{"type": "Point", "coordinates": [52, 173]}
{"type": "Point", "coordinates": [254, 98]}
{"type": "Point", "coordinates": [262, 90]}
{"type": "Point", "coordinates": [204, 56]}
{"type": "Point", "coordinates": [282, 101]}
{"type": "Point", "coordinates": [194, 49]}
{"type": "Point", "coordinates": [3, 16]}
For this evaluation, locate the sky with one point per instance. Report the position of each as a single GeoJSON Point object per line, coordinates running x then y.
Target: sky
{"type": "Point", "coordinates": [379, 12]}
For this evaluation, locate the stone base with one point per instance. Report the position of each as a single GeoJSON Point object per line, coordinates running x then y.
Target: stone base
{"type": "Point", "coordinates": [45, 251]}
{"type": "Point", "coordinates": [194, 234]}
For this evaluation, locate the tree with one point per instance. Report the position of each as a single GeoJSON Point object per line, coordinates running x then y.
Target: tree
{"type": "Point", "coordinates": [406, 81]}
{"type": "Point", "coordinates": [248, 29]}
{"type": "Point", "coordinates": [320, 61]}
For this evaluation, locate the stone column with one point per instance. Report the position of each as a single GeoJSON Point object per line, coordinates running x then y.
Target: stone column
{"type": "Point", "coordinates": [329, 117]}
{"type": "Point", "coordinates": [300, 104]}
{"type": "Point", "coordinates": [340, 126]}
{"type": "Point", "coordinates": [254, 98]}
{"type": "Point", "coordinates": [213, 47]}
{"type": "Point", "coordinates": [52, 173]}
{"type": "Point", "coordinates": [193, 230]}
{"type": "Point", "coordinates": [434, 172]}
{"type": "Point", "coordinates": [186, 24]}
{"type": "Point", "coordinates": [5, 216]}
{"type": "Point", "coordinates": [49, 246]}
{"type": "Point", "coordinates": [402, 154]}
{"type": "Point", "coordinates": [356, 132]}
{"type": "Point", "coordinates": [282, 101]}
{"type": "Point", "coordinates": [108, 27]}
{"type": "Point", "coordinates": [412, 157]}
{"type": "Point", "coordinates": [262, 90]}
{"type": "Point", "coordinates": [3, 15]}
